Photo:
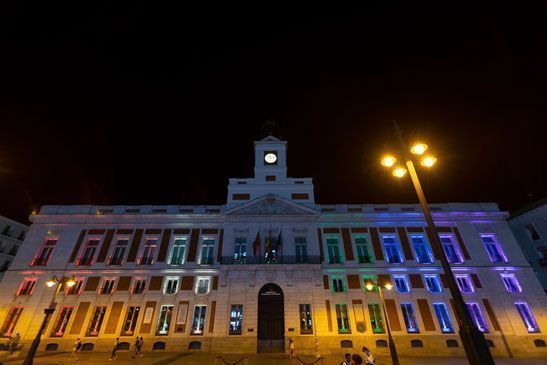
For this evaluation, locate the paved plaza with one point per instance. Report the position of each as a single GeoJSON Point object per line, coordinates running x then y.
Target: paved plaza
{"type": "Point", "coordinates": [168, 358]}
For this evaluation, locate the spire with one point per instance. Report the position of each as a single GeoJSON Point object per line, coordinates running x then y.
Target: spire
{"type": "Point", "coordinates": [270, 127]}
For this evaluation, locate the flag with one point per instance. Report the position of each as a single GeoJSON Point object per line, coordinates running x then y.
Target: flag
{"type": "Point", "coordinates": [256, 244]}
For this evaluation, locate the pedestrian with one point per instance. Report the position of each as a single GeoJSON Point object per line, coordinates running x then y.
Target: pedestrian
{"type": "Point", "coordinates": [115, 349]}
{"type": "Point", "coordinates": [316, 348]}
{"type": "Point", "coordinates": [347, 359]}
{"type": "Point", "coordinates": [10, 345]}
{"type": "Point", "coordinates": [291, 349]}
{"type": "Point", "coordinates": [141, 342]}
{"type": "Point", "coordinates": [16, 341]}
{"type": "Point", "coordinates": [367, 356]}
{"type": "Point", "coordinates": [76, 348]}
{"type": "Point", "coordinates": [356, 359]}
{"type": "Point", "coordinates": [136, 347]}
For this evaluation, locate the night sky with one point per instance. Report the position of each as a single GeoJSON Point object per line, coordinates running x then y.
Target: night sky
{"type": "Point", "coordinates": [145, 104]}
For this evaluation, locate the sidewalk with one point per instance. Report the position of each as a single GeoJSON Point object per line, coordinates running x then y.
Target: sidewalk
{"type": "Point", "coordinates": [172, 358]}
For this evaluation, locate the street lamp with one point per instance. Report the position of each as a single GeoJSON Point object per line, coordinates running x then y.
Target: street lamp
{"type": "Point", "coordinates": [64, 280]}
{"type": "Point", "coordinates": [370, 285]}
{"type": "Point", "coordinates": [473, 340]}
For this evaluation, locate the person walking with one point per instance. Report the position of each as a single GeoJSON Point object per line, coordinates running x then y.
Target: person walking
{"type": "Point", "coordinates": [11, 348]}
{"type": "Point", "coordinates": [347, 359]}
{"type": "Point", "coordinates": [367, 356]}
{"type": "Point", "coordinates": [356, 360]}
{"type": "Point", "coordinates": [316, 347]}
{"type": "Point", "coordinates": [115, 349]}
{"type": "Point", "coordinates": [76, 348]}
{"type": "Point", "coordinates": [141, 342]}
{"type": "Point", "coordinates": [291, 349]}
{"type": "Point", "coordinates": [136, 347]}
{"type": "Point", "coordinates": [16, 341]}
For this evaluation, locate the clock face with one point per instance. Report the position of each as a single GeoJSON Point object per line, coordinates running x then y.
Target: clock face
{"type": "Point", "coordinates": [270, 158]}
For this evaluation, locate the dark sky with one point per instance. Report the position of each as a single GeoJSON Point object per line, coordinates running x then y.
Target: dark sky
{"type": "Point", "coordinates": [146, 104]}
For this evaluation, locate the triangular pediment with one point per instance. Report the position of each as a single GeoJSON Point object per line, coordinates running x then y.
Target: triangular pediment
{"type": "Point", "coordinates": [270, 205]}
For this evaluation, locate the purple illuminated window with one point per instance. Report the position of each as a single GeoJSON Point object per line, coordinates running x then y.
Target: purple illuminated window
{"type": "Point", "coordinates": [493, 248]}
{"type": "Point", "coordinates": [478, 318]}
{"type": "Point", "coordinates": [511, 283]}
{"type": "Point", "coordinates": [527, 317]}
{"type": "Point", "coordinates": [464, 284]}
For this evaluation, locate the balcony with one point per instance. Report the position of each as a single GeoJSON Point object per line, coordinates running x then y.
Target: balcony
{"type": "Point", "coordinates": [145, 261]}
{"type": "Point", "coordinates": [260, 260]}
{"type": "Point", "coordinates": [39, 261]}
{"type": "Point", "coordinates": [84, 261]}
{"type": "Point", "coordinates": [114, 261]}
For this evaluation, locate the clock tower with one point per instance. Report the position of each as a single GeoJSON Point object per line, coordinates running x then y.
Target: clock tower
{"type": "Point", "coordinates": [270, 177]}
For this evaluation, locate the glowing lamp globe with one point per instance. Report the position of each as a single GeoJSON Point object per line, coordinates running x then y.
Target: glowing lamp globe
{"type": "Point", "coordinates": [429, 161]}
{"type": "Point", "coordinates": [418, 149]}
{"type": "Point", "coordinates": [50, 283]}
{"type": "Point", "coordinates": [388, 286]}
{"type": "Point", "coordinates": [399, 172]}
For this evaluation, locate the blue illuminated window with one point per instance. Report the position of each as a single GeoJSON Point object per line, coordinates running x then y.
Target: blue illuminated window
{"type": "Point", "coordinates": [450, 250]}
{"type": "Point", "coordinates": [410, 319]}
{"type": "Point", "coordinates": [401, 283]}
{"type": "Point", "coordinates": [423, 254]}
{"type": "Point", "coordinates": [511, 283]}
{"type": "Point", "coordinates": [240, 250]}
{"type": "Point", "coordinates": [464, 283]}
{"type": "Point", "coordinates": [432, 283]}
{"type": "Point", "coordinates": [443, 317]}
{"type": "Point", "coordinates": [392, 250]}
{"type": "Point", "coordinates": [495, 252]}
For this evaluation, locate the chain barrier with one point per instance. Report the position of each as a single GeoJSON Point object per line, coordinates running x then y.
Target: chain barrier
{"type": "Point", "coordinates": [302, 362]}
{"type": "Point", "coordinates": [231, 363]}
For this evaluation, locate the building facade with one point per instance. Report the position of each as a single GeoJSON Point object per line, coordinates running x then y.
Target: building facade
{"type": "Point", "coordinates": [529, 225]}
{"type": "Point", "coordinates": [12, 234]}
{"type": "Point", "coordinates": [272, 265]}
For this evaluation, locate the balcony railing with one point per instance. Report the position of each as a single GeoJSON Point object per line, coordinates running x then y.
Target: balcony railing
{"type": "Point", "coordinates": [40, 261]}
{"type": "Point", "coordinates": [145, 261]}
{"type": "Point", "coordinates": [206, 261]}
{"type": "Point", "coordinates": [114, 261]}
{"type": "Point", "coordinates": [335, 260]}
{"type": "Point", "coordinates": [176, 261]}
{"type": "Point", "coordinates": [260, 260]}
{"type": "Point", "coordinates": [84, 261]}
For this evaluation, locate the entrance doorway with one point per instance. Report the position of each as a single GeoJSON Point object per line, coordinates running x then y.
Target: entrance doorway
{"type": "Point", "coordinates": [271, 319]}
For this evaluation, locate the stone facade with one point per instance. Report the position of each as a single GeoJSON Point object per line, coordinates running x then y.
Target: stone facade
{"type": "Point", "coordinates": [12, 234]}
{"type": "Point", "coordinates": [269, 266]}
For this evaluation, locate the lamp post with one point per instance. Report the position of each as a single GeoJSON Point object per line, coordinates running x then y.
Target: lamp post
{"type": "Point", "coordinates": [473, 340]}
{"type": "Point", "coordinates": [64, 280]}
{"type": "Point", "coordinates": [370, 285]}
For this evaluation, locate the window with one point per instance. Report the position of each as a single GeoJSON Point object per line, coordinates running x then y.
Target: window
{"type": "Point", "coordinates": [96, 321]}
{"type": "Point", "coordinates": [451, 252]}
{"type": "Point", "coordinates": [464, 283]}
{"type": "Point", "coordinates": [240, 250]}
{"type": "Point", "coordinates": [202, 285]}
{"type": "Point", "coordinates": [178, 252]}
{"type": "Point", "coordinates": [198, 320]}
{"type": "Point", "coordinates": [149, 252]}
{"type": "Point", "coordinates": [401, 283]}
{"type": "Point", "coordinates": [11, 320]}
{"type": "Point", "coordinates": [74, 289]}
{"type": "Point", "coordinates": [62, 321]}
{"type": "Point", "coordinates": [532, 233]}
{"type": "Point", "coordinates": [423, 254]}
{"type": "Point", "coordinates": [511, 283]}
{"type": "Point", "coordinates": [493, 248]}
{"type": "Point", "coordinates": [392, 251]}
{"type": "Point", "coordinates": [333, 251]}
{"type": "Point", "coordinates": [130, 322]}
{"type": "Point", "coordinates": [301, 250]}
{"type": "Point", "coordinates": [236, 319]}
{"type": "Point", "coordinates": [44, 254]}
{"type": "Point", "coordinates": [138, 287]}
{"type": "Point", "coordinates": [478, 318]}
{"type": "Point", "coordinates": [363, 255]}
{"type": "Point", "coordinates": [171, 285]}
{"type": "Point", "coordinates": [432, 283]}
{"type": "Point", "coordinates": [164, 321]}
{"type": "Point", "coordinates": [119, 252]}
{"type": "Point", "coordinates": [376, 320]}
{"type": "Point", "coordinates": [342, 318]}
{"type": "Point", "coordinates": [7, 230]}
{"type": "Point", "coordinates": [108, 286]}
{"type": "Point", "coordinates": [207, 252]}
{"type": "Point", "coordinates": [27, 286]}
{"type": "Point", "coordinates": [410, 319]}
{"type": "Point", "coordinates": [527, 317]}
{"type": "Point", "coordinates": [306, 327]}
{"type": "Point", "coordinates": [338, 284]}
{"type": "Point", "coordinates": [443, 317]}
{"type": "Point", "coordinates": [89, 253]}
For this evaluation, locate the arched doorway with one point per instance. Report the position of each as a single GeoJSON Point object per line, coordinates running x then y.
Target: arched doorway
{"type": "Point", "coordinates": [271, 319]}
